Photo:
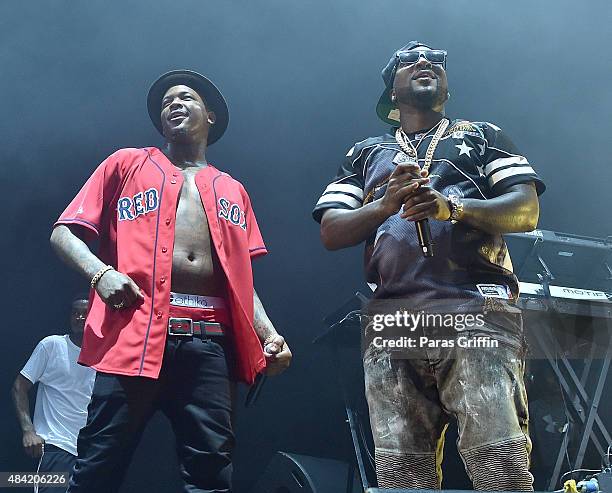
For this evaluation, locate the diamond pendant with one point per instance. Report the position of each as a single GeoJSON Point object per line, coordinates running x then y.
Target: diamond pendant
{"type": "Point", "coordinates": [403, 158]}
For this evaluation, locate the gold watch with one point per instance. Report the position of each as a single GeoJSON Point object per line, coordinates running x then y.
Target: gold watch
{"type": "Point", "coordinates": [456, 208]}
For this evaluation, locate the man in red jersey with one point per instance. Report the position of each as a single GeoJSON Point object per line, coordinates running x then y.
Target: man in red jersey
{"type": "Point", "coordinates": [174, 318]}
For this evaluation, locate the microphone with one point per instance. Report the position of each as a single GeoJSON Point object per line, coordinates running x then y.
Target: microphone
{"type": "Point", "coordinates": [424, 234]}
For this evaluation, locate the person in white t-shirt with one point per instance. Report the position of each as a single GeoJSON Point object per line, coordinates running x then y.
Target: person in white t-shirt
{"type": "Point", "coordinates": [64, 390]}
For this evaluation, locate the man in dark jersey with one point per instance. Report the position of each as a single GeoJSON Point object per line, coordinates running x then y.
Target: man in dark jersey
{"type": "Point", "coordinates": [472, 185]}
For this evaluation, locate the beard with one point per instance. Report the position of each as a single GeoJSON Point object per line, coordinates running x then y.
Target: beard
{"type": "Point", "coordinates": [423, 98]}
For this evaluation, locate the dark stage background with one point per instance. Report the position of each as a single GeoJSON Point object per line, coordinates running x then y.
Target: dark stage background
{"type": "Point", "coordinates": [302, 80]}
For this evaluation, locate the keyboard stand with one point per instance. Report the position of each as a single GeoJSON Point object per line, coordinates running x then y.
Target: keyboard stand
{"type": "Point", "coordinates": [577, 390]}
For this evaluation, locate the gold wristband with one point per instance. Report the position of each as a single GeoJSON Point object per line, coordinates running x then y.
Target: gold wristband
{"type": "Point", "coordinates": [98, 275]}
{"type": "Point", "coordinates": [456, 208]}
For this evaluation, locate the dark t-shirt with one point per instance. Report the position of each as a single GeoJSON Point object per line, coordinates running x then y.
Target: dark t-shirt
{"type": "Point", "coordinates": [472, 160]}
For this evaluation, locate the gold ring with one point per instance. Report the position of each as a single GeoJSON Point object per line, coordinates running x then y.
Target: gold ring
{"type": "Point", "coordinates": [118, 306]}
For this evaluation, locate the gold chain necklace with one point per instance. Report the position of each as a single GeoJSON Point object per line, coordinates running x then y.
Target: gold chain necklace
{"type": "Point", "coordinates": [408, 148]}
{"type": "Point", "coordinates": [422, 136]}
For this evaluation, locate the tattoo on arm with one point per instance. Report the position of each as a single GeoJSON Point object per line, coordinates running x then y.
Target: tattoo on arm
{"type": "Point", "coordinates": [263, 325]}
{"type": "Point", "coordinates": [69, 246]}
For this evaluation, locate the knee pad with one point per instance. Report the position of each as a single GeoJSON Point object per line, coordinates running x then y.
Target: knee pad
{"type": "Point", "coordinates": [405, 470]}
{"type": "Point", "coordinates": [500, 467]}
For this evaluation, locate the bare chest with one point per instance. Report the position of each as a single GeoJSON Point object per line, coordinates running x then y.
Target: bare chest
{"type": "Point", "coordinates": [195, 267]}
{"type": "Point", "coordinates": [191, 221]}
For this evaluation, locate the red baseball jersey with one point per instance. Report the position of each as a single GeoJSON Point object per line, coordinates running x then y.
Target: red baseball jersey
{"type": "Point", "coordinates": [129, 204]}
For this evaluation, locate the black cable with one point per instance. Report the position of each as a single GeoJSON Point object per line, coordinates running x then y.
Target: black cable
{"type": "Point", "coordinates": [365, 443]}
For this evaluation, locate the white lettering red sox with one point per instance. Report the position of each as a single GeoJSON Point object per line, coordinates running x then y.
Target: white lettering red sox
{"type": "Point", "coordinates": [129, 208]}
{"type": "Point", "coordinates": [232, 213]}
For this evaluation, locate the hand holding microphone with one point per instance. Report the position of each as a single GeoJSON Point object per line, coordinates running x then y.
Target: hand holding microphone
{"type": "Point", "coordinates": [426, 202]}
{"type": "Point", "coordinates": [423, 203]}
{"type": "Point", "coordinates": [404, 181]}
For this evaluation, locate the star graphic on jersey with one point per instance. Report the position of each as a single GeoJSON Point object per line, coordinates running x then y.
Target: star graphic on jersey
{"type": "Point", "coordinates": [464, 148]}
{"type": "Point", "coordinates": [482, 149]}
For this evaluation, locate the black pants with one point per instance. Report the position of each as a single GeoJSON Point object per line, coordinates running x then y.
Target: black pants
{"type": "Point", "coordinates": [54, 460]}
{"type": "Point", "coordinates": [194, 391]}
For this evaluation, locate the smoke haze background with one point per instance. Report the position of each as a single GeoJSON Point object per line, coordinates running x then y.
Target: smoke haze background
{"type": "Point", "coordinates": [302, 80]}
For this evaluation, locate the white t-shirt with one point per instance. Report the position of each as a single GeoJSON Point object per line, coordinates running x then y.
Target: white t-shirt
{"type": "Point", "coordinates": [63, 392]}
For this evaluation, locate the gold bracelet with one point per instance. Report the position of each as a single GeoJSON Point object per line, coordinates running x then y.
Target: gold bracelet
{"type": "Point", "coordinates": [98, 275]}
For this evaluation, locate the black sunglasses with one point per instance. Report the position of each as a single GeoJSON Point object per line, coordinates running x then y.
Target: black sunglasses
{"type": "Point", "coordinates": [436, 57]}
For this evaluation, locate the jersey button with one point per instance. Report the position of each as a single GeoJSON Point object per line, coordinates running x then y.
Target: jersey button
{"type": "Point", "coordinates": [162, 280]}
{"type": "Point", "coordinates": [173, 181]}
{"type": "Point", "coordinates": [159, 314]}
{"type": "Point", "coordinates": [164, 249]}
{"type": "Point", "coordinates": [167, 221]}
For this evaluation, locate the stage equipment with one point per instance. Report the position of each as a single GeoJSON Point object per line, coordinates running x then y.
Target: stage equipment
{"type": "Point", "coordinates": [343, 338]}
{"type": "Point", "coordinates": [566, 285]}
{"type": "Point", "coordinates": [400, 490]}
{"type": "Point", "coordinates": [293, 473]}
{"type": "Point", "coordinates": [604, 479]}
{"type": "Point", "coordinates": [565, 278]}
{"type": "Point", "coordinates": [578, 262]}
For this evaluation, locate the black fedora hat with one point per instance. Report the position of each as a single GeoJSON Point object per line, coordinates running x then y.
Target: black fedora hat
{"type": "Point", "coordinates": [212, 97]}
